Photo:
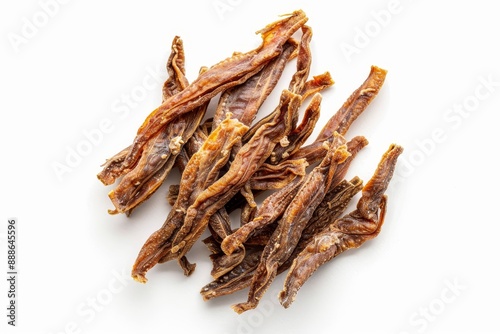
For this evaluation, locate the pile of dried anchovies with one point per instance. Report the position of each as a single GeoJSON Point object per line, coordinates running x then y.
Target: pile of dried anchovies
{"type": "Point", "coordinates": [229, 160]}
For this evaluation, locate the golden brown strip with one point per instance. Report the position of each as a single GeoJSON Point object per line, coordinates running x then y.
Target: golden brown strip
{"type": "Point", "coordinates": [350, 231]}
{"type": "Point", "coordinates": [346, 115]}
{"type": "Point", "coordinates": [197, 174]}
{"type": "Point", "coordinates": [287, 234]}
{"type": "Point", "coordinates": [218, 78]}
{"type": "Point", "coordinates": [249, 158]}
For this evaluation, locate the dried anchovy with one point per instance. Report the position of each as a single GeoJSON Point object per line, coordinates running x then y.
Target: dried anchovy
{"type": "Point", "coordinates": [295, 218]}
{"type": "Point", "coordinates": [350, 231]}
{"type": "Point", "coordinates": [346, 115]}
{"type": "Point", "coordinates": [216, 79]}
{"type": "Point", "coordinates": [196, 176]}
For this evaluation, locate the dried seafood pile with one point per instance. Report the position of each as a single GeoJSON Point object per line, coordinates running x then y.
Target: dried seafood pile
{"type": "Point", "coordinates": [229, 160]}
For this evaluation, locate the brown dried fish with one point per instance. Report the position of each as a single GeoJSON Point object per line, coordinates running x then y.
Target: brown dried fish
{"type": "Point", "coordinates": [247, 161]}
{"type": "Point", "coordinates": [241, 277]}
{"type": "Point", "coordinates": [350, 231]}
{"type": "Point", "coordinates": [295, 218]}
{"type": "Point", "coordinates": [271, 209]}
{"type": "Point", "coordinates": [346, 115]}
{"type": "Point", "coordinates": [243, 101]}
{"type": "Point", "coordinates": [161, 150]}
{"type": "Point", "coordinates": [218, 78]}
{"type": "Point", "coordinates": [198, 173]}
{"type": "Point", "coordinates": [298, 135]}
{"type": "Point", "coordinates": [331, 208]}
{"type": "Point", "coordinates": [270, 176]}
{"type": "Point", "coordinates": [236, 279]}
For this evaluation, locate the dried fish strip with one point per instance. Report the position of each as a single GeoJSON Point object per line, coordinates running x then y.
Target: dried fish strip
{"type": "Point", "coordinates": [227, 160]}
{"type": "Point", "coordinates": [271, 209]}
{"type": "Point", "coordinates": [287, 234]}
{"type": "Point", "coordinates": [274, 205]}
{"type": "Point", "coordinates": [216, 79]}
{"type": "Point", "coordinates": [155, 163]}
{"type": "Point", "coordinates": [346, 115]}
{"type": "Point", "coordinates": [299, 135]}
{"type": "Point", "coordinates": [243, 101]}
{"type": "Point", "coordinates": [297, 83]}
{"type": "Point", "coordinates": [303, 62]}
{"type": "Point", "coordinates": [198, 173]}
{"type": "Point", "coordinates": [247, 161]}
{"type": "Point", "coordinates": [176, 71]}
{"type": "Point", "coordinates": [330, 208]}
{"type": "Point", "coordinates": [277, 176]}
{"type": "Point", "coordinates": [175, 83]}
{"type": "Point", "coordinates": [350, 231]}
{"type": "Point", "coordinates": [160, 151]}
{"type": "Point", "coordinates": [236, 279]}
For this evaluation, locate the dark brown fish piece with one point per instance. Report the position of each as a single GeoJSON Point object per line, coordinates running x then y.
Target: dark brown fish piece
{"type": "Point", "coordinates": [346, 115]}
{"type": "Point", "coordinates": [270, 176]}
{"type": "Point", "coordinates": [331, 208]}
{"type": "Point", "coordinates": [350, 231]}
{"type": "Point", "coordinates": [275, 204]}
{"type": "Point", "coordinates": [155, 163]}
{"type": "Point", "coordinates": [328, 210]}
{"type": "Point", "coordinates": [160, 152]}
{"type": "Point", "coordinates": [298, 135]}
{"type": "Point", "coordinates": [218, 78]}
{"type": "Point", "coordinates": [176, 81]}
{"type": "Point", "coordinates": [198, 174]}
{"type": "Point", "coordinates": [249, 158]}
{"type": "Point", "coordinates": [294, 220]}
{"type": "Point", "coordinates": [271, 209]}
{"type": "Point", "coordinates": [236, 279]}
{"type": "Point", "coordinates": [243, 101]}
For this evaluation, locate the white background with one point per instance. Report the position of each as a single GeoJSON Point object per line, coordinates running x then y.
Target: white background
{"type": "Point", "coordinates": [74, 71]}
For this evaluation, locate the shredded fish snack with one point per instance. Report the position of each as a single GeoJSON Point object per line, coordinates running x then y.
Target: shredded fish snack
{"type": "Point", "coordinates": [291, 195]}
